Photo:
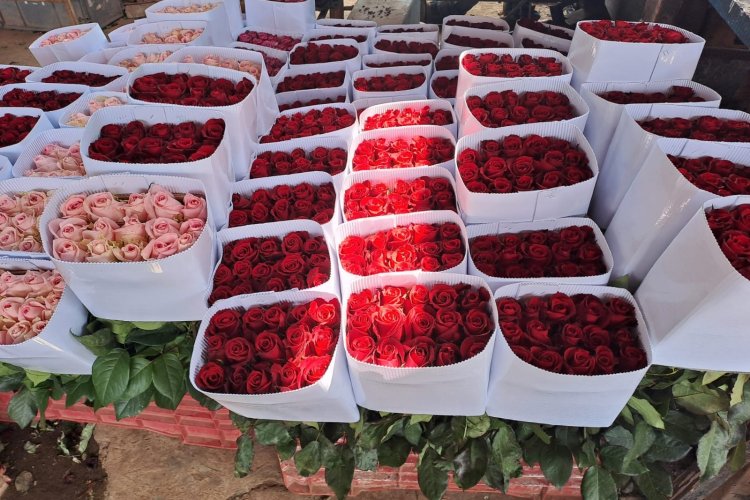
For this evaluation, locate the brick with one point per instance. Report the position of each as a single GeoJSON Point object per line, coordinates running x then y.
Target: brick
{"type": "Point", "coordinates": [162, 428]}
{"type": "Point", "coordinates": [196, 422]}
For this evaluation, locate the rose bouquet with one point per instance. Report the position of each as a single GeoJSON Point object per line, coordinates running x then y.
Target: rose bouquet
{"type": "Point", "coordinates": [461, 37]}
{"type": "Point", "coordinates": [447, 61]}
{"type": "Point", "coordinates": [27, 302]}
{"type": "Point", "coordinates": [715, 175]}
{"type": "Point", "coordinates": [46, 100]}
{"type": "Point", "coordinates": [444, 85]}
{"type": "Point", "coordinates": [591, 341]}
{"type": "Point", "coordinates": [477, 22]}
{"type": "Point", "coordinates": [340, 36]}
{"type": "Point", "coordinates": [528, 43]}
{"type": "Point", "coordinates": [535, 35]}
{"type": "Point", "coordinates": [389, 81]}
{"type": "Point", "coordinates": [246, 66]}
{"type": "Point", "coordinates": [392, 60]}
{"type": "Point", "coordinates": [405, 150]}
{"type": "Point", "coordinates": [176, 35]}
{"type": "Point", "coordinates": [188, 9]}
{"type": "Point", "coordinates": [544, 28]}
{"type": "Point", "coordinates": [674, 94]}
{"type": "Point", "coordinates": [79, 77]}
{"type": "Point", "coordinates": [18, 127]}
{"type": "Point", "coordinates": [330, 158]}
{"type": "Point", "coordinates": [189, 90]}
{"type": "Point", "coordinates": [294, 81]}
{"type": "Point", "coordinates": [274, 59]}
{"type": "Point", "coordinates": [56, 160]}
{"type": "Point", "coordinates": [625, 31]}
{"type": "Point", "coordinates": [69, 43]}
{"type": "Point", "coordinates": [331, 54]}
{"type": "Point", "coordinates": [406, 333]}
{"type": "Point", "coordinates": [270, 40]}
{"type": "Point", "coordinates": [66, 36]}
{"type": "Point", "coordinates": [405, 46]}
{"type": "Point", "coordinates": [330, 120]}
{"type": "Point", "coordinates": [294, 104]}
{"type": "Point", "coordinates": [404, 116]}
{"type": "Point", "coordinates": [703, 128]}
{"type": "Point", "coordinates": [474, 42]}
{"type": "Point", "coordinates": [19, 215]}
{"type": "Point", "coordinates": [14, 74]}
{"type": "Point", "coordinates": [222, 19]}
{"type": "Point", "coordinates": [132, 61]}
{"type": "Point", "coordinates": [79, 119]}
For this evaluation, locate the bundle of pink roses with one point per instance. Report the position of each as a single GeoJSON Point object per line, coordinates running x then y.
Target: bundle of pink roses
{"type": "Point", "coordinates": [103, 227]}
{"type": "Point", "coordinates": [56, 160]}
{"type": "Point", "coordinates": [27, 301]}
{"type": "Point", "coordinates": [19, 212]}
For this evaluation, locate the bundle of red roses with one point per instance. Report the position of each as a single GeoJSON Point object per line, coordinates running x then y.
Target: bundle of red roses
{"type": "Point", "coordinates": [407, 47]}
{"type": "Point", "coordinates": [46, 100]}
{"type": "Point", "coordinates": [14, 129]}
{"type": "Point", "coordinates": [309, 81]}
{"type": "Point", "coordinates": [676, 93]}
{"type": "Point", "coordinates": [284, 202]}
{"type": "Point", "coordinates": [505, 66]}
{"type": "Point", "coordinates": [11, 74]}
{"type": "Point", "coordinates": [187, 90]}
{"type": "Point", "coordinates": [404, 30]}
{"type": "Point", "coordinates": [408, 116]}
{"type": "Point", "coordinates": [425, 247]}
{"type": "Point", "coordinates": [543, 28]}
{"type": "Point", "coordinates": [393, 64]}
{"type": "Point", "coordinates": [702, 128]}
{"type": "Point", "coordinates": [271, 264]}
{"type": "Point", "coordinates": [549, 253]}
{"type": "Point", "coordinates": [528, 43]}
{"type": "Point", "coordinates": [522, 164]}
{"type": "Point", "coordinates": [445, 86]}
{"type": "Point", "coordinates": [420, 326]}
{"type": "Point", "coordinates": [80, 77]}
{"type": "Point", "coordinates": [629, 32]}
{"type": "Point", "coordinates": [317, 53]}
{"type": "Point", "coordinates": [506, 108]}
{"type": "Point", "coordinates": [446, 62]}
{"type": "Point", "coordinates": [341, 36]}
{"type": "Point", "coordinates": [370, 199]}
{"type": "Point", "coordinates": [280, 42]}
{"type": "Point", "coordinates": [309, 123]}
{"type": "Point", "coordinates": [417, 151]}
{"type": "Point", "coordinates": [481, 25]}
{"type": "Point", "coordinates": [270, 163]}
{"type": "Point", "coordinates": [731, 227]}
{"type": "Point", "coordinates": [580, 334]}
{"type": "Point", "coordinates": [474, 42]}
{"type": "Point", "coordinates": [390, 83]}
{"type": "Point", "coordinates": [313, 102]}
{"type": "Point", "coordinates": [715, 175]}
{"type": "Point", "coordinates": [269, 349]}
{"type": "Point", "coordinates": [135, 142]}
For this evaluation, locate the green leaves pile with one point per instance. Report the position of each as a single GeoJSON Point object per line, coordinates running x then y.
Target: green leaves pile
{"type": "Point", "coordinates": [674, 415]}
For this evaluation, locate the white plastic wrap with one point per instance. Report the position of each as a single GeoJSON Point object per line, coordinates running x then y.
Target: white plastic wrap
{"type": "Point", "coordinates": [82, 106]}
{"type": "Point", "coordinates": [350, 65]}
{"type": "Point", "coordinates": [421, 90]}
{"type": "Point", "coordinates": [100, 69]}
{"type": "Point", "coordinates": [6, 168]}
{"type": "Point", "coordinates": [164, 27]}
{"type": "Point", "coordinates": [103, 56]}
{"type": "Point", "coordinates": [295, 16]}
{"type": "Point", "coordinates": [55, 115]}
{"type": "Point", "coordinates": [14, 150]}
{"type": "Point", "coordinates": [92, 41]}
{"type": "Point", "coordinates": [501, 37]}
{"type": "Point", "coordinates": [306, 96]}
{"type": "Point", "coordinates": [62, 136]}
{"type": "Point", "coordinates": [433, 104]}
{"type": "Point", "coordinates": [120, 35]}
{"type": "Point", "coordinates": [520, 33]}
{"type": "Point", "coordinates": [521, 391]}
{"type": "Point", "coordinates": [218, 18]}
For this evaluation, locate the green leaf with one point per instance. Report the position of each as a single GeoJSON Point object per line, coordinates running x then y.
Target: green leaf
{"type": "Point", "coordinates": [100, 342]}
{"type": "Point", "coordinates": [477, 426]}
{"type": "Point", "coordinates": [712, 452]}
{"type": "Point", "coordinates": [709, 377]}
{"type": "Point", "coordinates": [111, 374]}
{"type": "Point", "coordinates": [667, 448]}
{"type": "Point", "coordinates": [121, 329]}
{"type": "Point", "coordinates": [647, 411]}
{"type": "Point", "coordinates": [598, 485]}
{"type": "Point", "coordinates": [12, 381]}
{"type": "Point", "coordinates": [373, 432]}
{"type": "Point", "coordinates": [329, 454]}
{"type": "Point", "coordinates": [432, 475]}
{"type": "Point", "coordinates": [470, 464]}
{"type": "Point", "coordinates": [204, 400]}
{"type": "Point", "coordinates": [308, 459]}
{"type": "Point", "coordinates": [613, 458]}
{"type": "Point", "coordinates": [532, 450]}
{"type": "Point", "coordinates": [587, 456]}
{"type": "Point", "coordinates": [493, 476]}
{"type": "Point", "coordinates": [243, 457]}
{"type": "Point", "coordinates": [557, 464]}
{"type": "Point", "coordinates": [271, 433]}
{"type": "Point", "coordinates": [242, 423]}
{"type": "Point", "coordinates": [37, 377]}
{"type": "Point", "coordinates": [394, 452]}
{"type": "Point", "coordinates": [7, 370]}
{"type": "Point", "coordinates": [148, 325]}
{"type": "Point", "coordinates": [286, 450]}
{"type": "Point", "coordinates": [619, 436]}
{"type": "Point", "coordinates": [684, 426]}
{"type": "Point", "coordinates": [738, 389]}
{"type": "Point", "coordinates": [506, 453]}
{"type": "Point", "coordinates": [365, 459]}
{"type": "Point", "coordinates": [699, 399]}
{"type": "Point", "coordinates": [656, 484]}
{"type": "Point", "coordinates": [339, 478]}
{"type": "Point", "coordinates": [739, 413]}
{"type": "Point", "coordinates": [413, 433]}
{"type": "Point", "coordinates": [169, 377]}
{"type": "Point", "coordinates": [441, 435]}
{"type": "Point", "coordinates": [23, 407]}
{"type": "Point", "coordinates": [643, 438]}
{"type": "Point", "coordinates": [133, 406]}
{"type": "Point", "coordinates": [141, 376]}
{"type": "Point", "coordinates": [737, 458]}
{"type": "Point", "coordinates": [153, 337]}
{"type": "Point", "coordinates": [418, 419]}
{"type": "Point", "coordinates": [81, 388]}
{"type": "Point", "coordinates": [539, 432]}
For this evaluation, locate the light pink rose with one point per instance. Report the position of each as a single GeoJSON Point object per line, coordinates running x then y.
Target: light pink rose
{"type": "Point", "coordinates": [67, 250]}
{"type": "Point", "coordinates": [132, 232]}
{"type": "Point", "coordinates": [136, 207]}
{"type": "Point", "coordinates": [100, 251]}
{"type": "Point", "coordinates": [25, 223]}
{"type": "Point", "coordinates": [112, 101]}
{"type": "Point", "coordinates": [44, 163]}
{"type": "Point", "coordinates": [4, 220]}
{"type": "Point", "coordinates": [103, 204]}
{"type": "Point", "coordinates": [161, 226]}
{"type": "Point", "coordinates": [103, 228]}
{"type": "Point", "coordinates": [128, 253]}
{"type": "Point", "coordinates": [9, 204]}
{"type": "Point", "coordinates": [32, 310]}
{"type": "Point", "coordinates": [10, 306]}
{"type": "Point", "coordinates": [51, 301]}
{"type": "Point", "coordinates": [38, 281]}
{"type": "Point", "coordinates": [73, 206]}
{"type": "Point", "coordinates": [186, 241]}
{"type": "Point", "coordinates": [194, 226]}
{"type": "Point", "coordinates": [33, 202]}
{"type": "Point", "coordinates": [21, 332]}
{"type": "Point", "coordinates": [38, 326]}
{"type": "Point", "coordinates": [29, 243]}
{"type": "Point", "coordinates": [71, 228]}
{"type": "Point", "coordinates": [160, 203]}
{"type": "Point", "coordinates": [74, 164]}
{"type": "Point", "coordinates": [161, 247]}
{"type": "Point", "coordinates": [9, 238]}
{"type": "Point", "coordinates": [195, 207]}
{"type": "Point", "coordinates": [57, 282]}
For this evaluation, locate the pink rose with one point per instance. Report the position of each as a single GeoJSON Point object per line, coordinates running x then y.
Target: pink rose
{"type": "Point", "coordinates": [9, 307]}
{"type": "Point", "coordinates": [4, 220]}
{"type": "Point", "coordinates": [185, 241]}
{"type": "Point", "coordinates": [71, 228]}
{"type": "Point", "coordinates": [25, 223]}
{"type": "Point", "coordinates": [33, 202]}
{"type": "Point", "coordinates": [73, 206]}
{"type": "Point", "coordinates": [38, 283]}
{"type": "Point", "coordinates": [51, 301]}
{"type": "Point", "coordinates": [20, 332]}
{"type": "Point", "coordinates": [161, 247]}
{"type": "Point", "coordinates": [103, 229]}
{"type": "Point", "coordinates": [44, 163]}
{"type": "Point", "coordinates": [195, 207]}
{"type": "Point", "coordinates": [8, 204]}
{"type": "Point", "coordinates": [160, 203]}
{"type": "Point", "coordinates": [100, 250]}
{"type": "Point", "coordinates": [57, 282]}
{"type": "Point", "coordinates": [32, 310]}
{"type": "Point", "coordinates": [29, 244]}
{"type": "Point", "coordinates": [17, 288]}
{"type": "Point", "coordinates": [104, 205]}
{"type": "Point", "coordinates": [38, 326]}
{"type": "Point", "coordinates": [67, 250]}
{"type": "Point", "coordinates": [128, 253]}
{"type": "Point", "coordinates": [132, 232]}
{"type": "Point", "coordinates": [161, 226]}
{"type": "Point", "coordinates": [135, 207]}
{"type": "Point", "coordinates": [194, 226]}
{"type": "Point", "coordinates": [9, 238]}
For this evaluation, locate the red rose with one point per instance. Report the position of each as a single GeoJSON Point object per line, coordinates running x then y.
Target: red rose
{"type": "Point", "coordinates": [546, 359]}
{"type": "Point", "coordinates": [238, 350]}
{"type": "Point", "coordinates": [447, 354]}
{"type": "Point", "coordinates": [226, 322]}
{"type": "Point", "coordinates": [269, 347]}
{"type": "Point", "coordinates": [579, 361]}
{"type": "Point", "coordinates": [258, 382]}
{"type": "Point", "coordinates": [210, 377]}
{"type": "Point", "coordinates": [422, 353]}
{"type": "Point", "coordinates": [313, 368]}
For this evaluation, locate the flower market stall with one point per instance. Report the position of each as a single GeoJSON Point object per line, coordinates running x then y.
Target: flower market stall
{"type": "Point", "coordinates": [416, 256]}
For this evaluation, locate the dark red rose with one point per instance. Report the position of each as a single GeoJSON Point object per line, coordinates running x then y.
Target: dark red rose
{"type": "Point", "coordinates": [210, 377]}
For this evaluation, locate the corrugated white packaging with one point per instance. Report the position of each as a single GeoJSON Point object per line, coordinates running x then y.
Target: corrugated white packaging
{"type": "Point", "coordinates": [447, 73]}
{"type": "Point", "coordinates": [345, 87]}
{"type": "Point", "coordinates": [605, 115]}
{"type": "Point", "coordinates": [462, 386]}
{"type": "Point", "coordinates": [606, 61]}
{"type": "Point", "coordinates": [128, 53]}
{"type": "Point", "coordinates": [218, 18]}
{"type": "Point", "coordinates": [525, 206]}
{"type": "Point", "coordinates": [555, 224]}
{"type": "Point", "coordinates": [99, 69]}
{"type": "Point", "coordinates": [303, 98]}
{"type": "Point", "coordinates": [82, 106]}
{"type": "Point", "coordinates": [501, 24]}
{"type": "Point", "coordinates": [91, 41]}
{"type": "Point", "coordinates": [162, 28]}
{"type": "Point", "coordinates": [372, 225]}
{"type": "Point", "coordinates": [343, 34]}
{"type": "Point", "coordinates": [398, 37]}
{"type": "Point", "coordinates": [54, 350]}
{"type": "Point", "coordinates": [466, 80]}
{"type": "Point", "coordinates": [350, 65]}
{"type": "Point", "coordinates": [279, 230]}
{"type": "Point", "coordinates": [659, 203]}
{"type": "Point", "coordinates": [520, 33]}
{"type": "Point", "coordinates": [521, 391]}
{"type": "Point", "coordinates": [62, 136]}
{"type": "Point", "coordinates": [425, 32]}
{"type": "Point", "coordinates": [346, 133]}
{"type": "Point", "coordinates": [470, 125]}
{"type": "Point", "coordinates": [168, 289]}
{"type": "Point", "coordinates": [295, 16]}
{"type": "Point", "coordinates": [55, 115]}
{"type": "Point", "coordinates": [14, 150]}
{"type": "Point", "coordinates": [103, 56]}
{"type": "Point", "coordinates": [631, 144]}
{"type": "Point", "coordinates": [242, 125]}
{"type": "Point", "coordinates": [249, 186]}
{"type": "Point", "coordinates": [330, 399]}
{"type": "Point", "coordinates": [405, 133]}
{"type": "Point", "coordinates": [695, 302]}
{"type": "Point", "coordinates": [362, 104]}
{"type": "Point", "coordinates": [421, 90]}
{"type": "Point", "coordinates": [120, 35]}
{"type": "Point", "coordinates": [214, 172]}
{"type": "Point", "coordinates": [502, 38]}
{"type": "Point", "coordinates": [391, 57]}
{"type": "Point", "coordinates": [446, 53]}
{"type": "Point", "coordinates": [433, 104]}
{"type": "Point", "coordinates": [6, 168]}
